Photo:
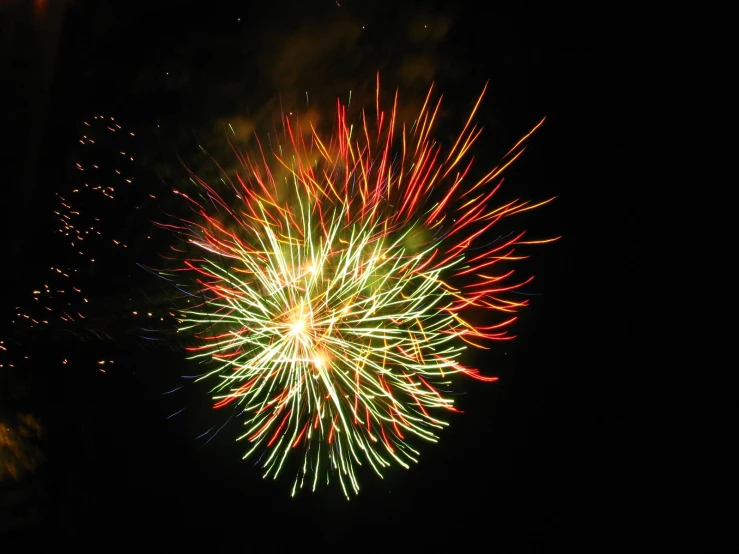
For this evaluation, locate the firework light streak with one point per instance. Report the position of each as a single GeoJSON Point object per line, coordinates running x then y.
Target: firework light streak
{"type": "Point", "coordinates": [328, 296]}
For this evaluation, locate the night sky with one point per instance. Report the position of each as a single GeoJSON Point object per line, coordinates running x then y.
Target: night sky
{"type": "Point", "coordinates": [536, 459]}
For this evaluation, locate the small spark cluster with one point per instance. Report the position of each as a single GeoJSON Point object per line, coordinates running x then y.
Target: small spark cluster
{"type": "Point", "coordinates": [81, 236]}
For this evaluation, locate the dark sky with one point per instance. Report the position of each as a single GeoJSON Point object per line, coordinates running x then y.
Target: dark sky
{"type": "Point", "coordinates": [537, 459]}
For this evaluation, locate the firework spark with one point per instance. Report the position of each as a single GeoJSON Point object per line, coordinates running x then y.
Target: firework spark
{"type": "Point", "coordinates": [328, 294]}
{"type": "Point", "coordinates": [84, 231]}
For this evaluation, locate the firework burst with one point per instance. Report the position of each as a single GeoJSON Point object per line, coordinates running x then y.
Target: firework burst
{"type": "Point", "coordinates": [327, 293]}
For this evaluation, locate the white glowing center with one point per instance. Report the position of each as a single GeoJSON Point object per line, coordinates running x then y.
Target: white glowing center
{"type": "Point", "coordinates": [298, 327]}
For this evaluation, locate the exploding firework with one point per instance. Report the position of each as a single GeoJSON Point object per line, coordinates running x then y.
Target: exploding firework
{"type": "Point", "coordinates": [329, 282]}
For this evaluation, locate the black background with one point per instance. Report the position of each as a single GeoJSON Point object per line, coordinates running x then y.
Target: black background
{"type": "Point", "coordinates": [536, 459]}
